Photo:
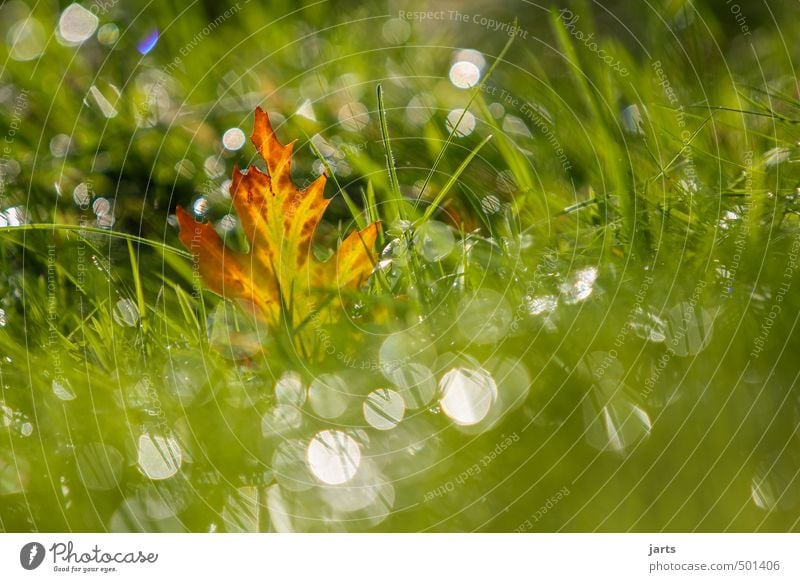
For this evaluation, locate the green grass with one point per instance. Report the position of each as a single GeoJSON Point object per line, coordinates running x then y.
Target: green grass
{"type": "Point", "coordinates": [628, 284]}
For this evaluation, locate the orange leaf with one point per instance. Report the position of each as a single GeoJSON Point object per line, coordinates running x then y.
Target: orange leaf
{"type": "Point", "coordinates": [279, 221]}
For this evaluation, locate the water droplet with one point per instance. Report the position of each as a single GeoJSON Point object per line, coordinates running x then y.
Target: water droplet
{"type": "Point", "coordinates": [328, 395]}
{"type": "Point", "coordinates": [616, 425]}
{"type": "Point", "coordinates": [420, 109]}
{"type": "Point", "coordinates": [14, 473]}
{"type": "Point", "coordinates": [484, 316]}
{"type": "Point", "coordinates": [232, 334]}
{"type": "Point", "coordinates": [289, 466]}
{"type": "Point", "coordinates": [103, 103]}
{"type": "Point", "coordinates": [241, 511]}
{"type": "Point", "coordinates": [76, 24]}
{"type": "Point", "coordinates": [63, 389]}
{"type": "Point", "coordinates": [396, 30]}
{"type": "Point", "coordinates": [81, 195]}
{"type": "Point", "coordinates": [26, 39]}
{"type": "Point", "coordinates": [306, 110]}
{"type": "Point", "coordinates": [214, 167]}
{"type": "Point", "coordinates": [147, 43]}
{"type": "Point", "coordinates": [647, 325]}
{"type": "Point", "coordinates": [354, 116]}
{"type": "Point", "coordinates": [281, 420]}
{"type": "Point", "coordinates": [467, 125]}
{"type": "Point", "coordinates": [185, 377]}
{"type": "Point", "coordinates": [126, 313]}
{"type": "Point", "coordinates": [541, 304]}
{"type": "Point", "coordinates": [59, 145]}
{"type": "Point", "coordinates": [108, 34]}
{"type": "Point", "coordinates": [200, 207]}
{"type": "Point", "coordinates": [434, 240]}
{"type": "Point", "coordinates": [514, 125]}
{"type": "Point", "coordinates": [416, 384]}
{"type": "Point", "coordinates": [467, 395]}
{"type": "Point", "coordinates": [101, 207]}
{"type": "Point", "coordinates": [688, 329]}
{"type": "Point", "coordinates": [290, 389]}
{"type": "Point", "coordinates": [334, 457]}
{"type": "Point", "coordinates": [470, 56]}
{"type": "Point", "coordinates": [99, 466]}
{"type": "Point", "coordinates": [159, 457]}
{"type": "Point", "coordinates": [632, 119]}
{"type": "Point", "coordinates": [491, 204]}
{"type": "Point", "coordinates": [164, 499]}
{"type": "Point", "coordinates": [580, 286]}
{"type": "Point", "coordinates": [384, 409]}
{"type": "Point", "coordinates": [775, 485]}
{"type": "Point", "coordinates": [464, 74]}
{"type": "Point", "coordinates": [233, 139]}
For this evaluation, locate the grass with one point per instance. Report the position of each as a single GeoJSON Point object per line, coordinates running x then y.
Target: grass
{"type": "Point", "coordinates": [632, 300]}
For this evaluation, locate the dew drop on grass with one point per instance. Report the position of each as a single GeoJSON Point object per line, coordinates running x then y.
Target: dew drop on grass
{"type": "Point", "coordinates": [541, 304]}
{"type": "Point", "coordinates": [467, 395]}
{"type": "Point", "coordinates": [81, 195]}
{"type": "Point", "coordinates": [59, 145]}
{"type": "Point", "coordinates": [484, 316]}
{"type": "Point", "coordinates": [688, 329]}
{"type": "Point", "coordinates": [281, 420]}
{"type": "Point", "coordinates": [63, 389]}
{"type": "Point", "coordinates": [333, 457]}
{"type": "Point", "coordinates": [396, 31]}
{"type": "Point", "coordinates": [185, 376]}
{"type": "Point", "coordinates": [6, 416]}
{"type": "Point", "coordinates": [14, 473]}
{"type": "Point", "coordinates": [467, 125]}
{"type": "Point", "coordinates": [490, 204]}
{"type": "Point", "coordinates": [164, 499]}
{"type": "Point", "coordinates": [464, 74]}
{"type": "Point", "coordinates": [328, 395]}
{"type": "Point", "coordinates": [615, 426]}
{"type": "Point", "coordinates": [647, 325]}
{"type": "Point", "coordinates": [26, 39]}
{"type": "Point", "coordinates": [354, 116]}
{"type": "Point", "coordinates": [214, 167]}
{"type": "Point", "coordinates": [775, 485]}
{"type": "Point", "coordinates": [384, 409]}
{"type": "Point", "coordinates": [233, 139]}
{"type": "Point", "coordinates": [289, 466]}
{"type": "Point", "coordinates": [580, 285]}
{"type": "Point", "coordinates": [108, 34]}
{"type": "Point", "coordinates": [126, 313]}
{"type": "Point", "coordinates": [289, 389]}
{"type": "Point", "coordinates": [101, 207]}
{"type": "Point", "coordinates": [76, 24]}
{"type": "Point", "coordinates": [241, 511]}
{"type": "Point", "coordinates": [99, 466]}
{"type": "Point", "coordinates": [420, 109]}
{"type": "Point", "coordinates": [434, 241]}
{"type": "Point", "coordinates": [159, 457]}
{"type": "Point", "coordinates": [404, 347]}
{"type": "Point", "coordinates": [416, 384]}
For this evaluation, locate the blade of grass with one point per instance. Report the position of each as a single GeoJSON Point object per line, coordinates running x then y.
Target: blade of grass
{"type": "Point", "coordinates": [113, 234]}
{"type": "Point", "coordinates": [453, 179]}
{"type": "Point", "coordinates": [137, 283]}
{"type": "Point", "coordinates": [351, 206]}
{"type": "Point", "coordinates": [396, 202]}
{"type": "Point", "coordinates": [475, 92]}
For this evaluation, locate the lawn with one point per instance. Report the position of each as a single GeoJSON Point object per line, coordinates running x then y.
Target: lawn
{"type": "Point", "coordinates": [579, 233]}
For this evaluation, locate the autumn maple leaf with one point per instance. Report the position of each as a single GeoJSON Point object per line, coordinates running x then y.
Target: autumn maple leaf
{"type": "Point", "coordinates": [278, 278]}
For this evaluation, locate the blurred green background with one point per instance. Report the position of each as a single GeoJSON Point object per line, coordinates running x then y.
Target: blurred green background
{"type": "Point", "coordinates": [595, 328]}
